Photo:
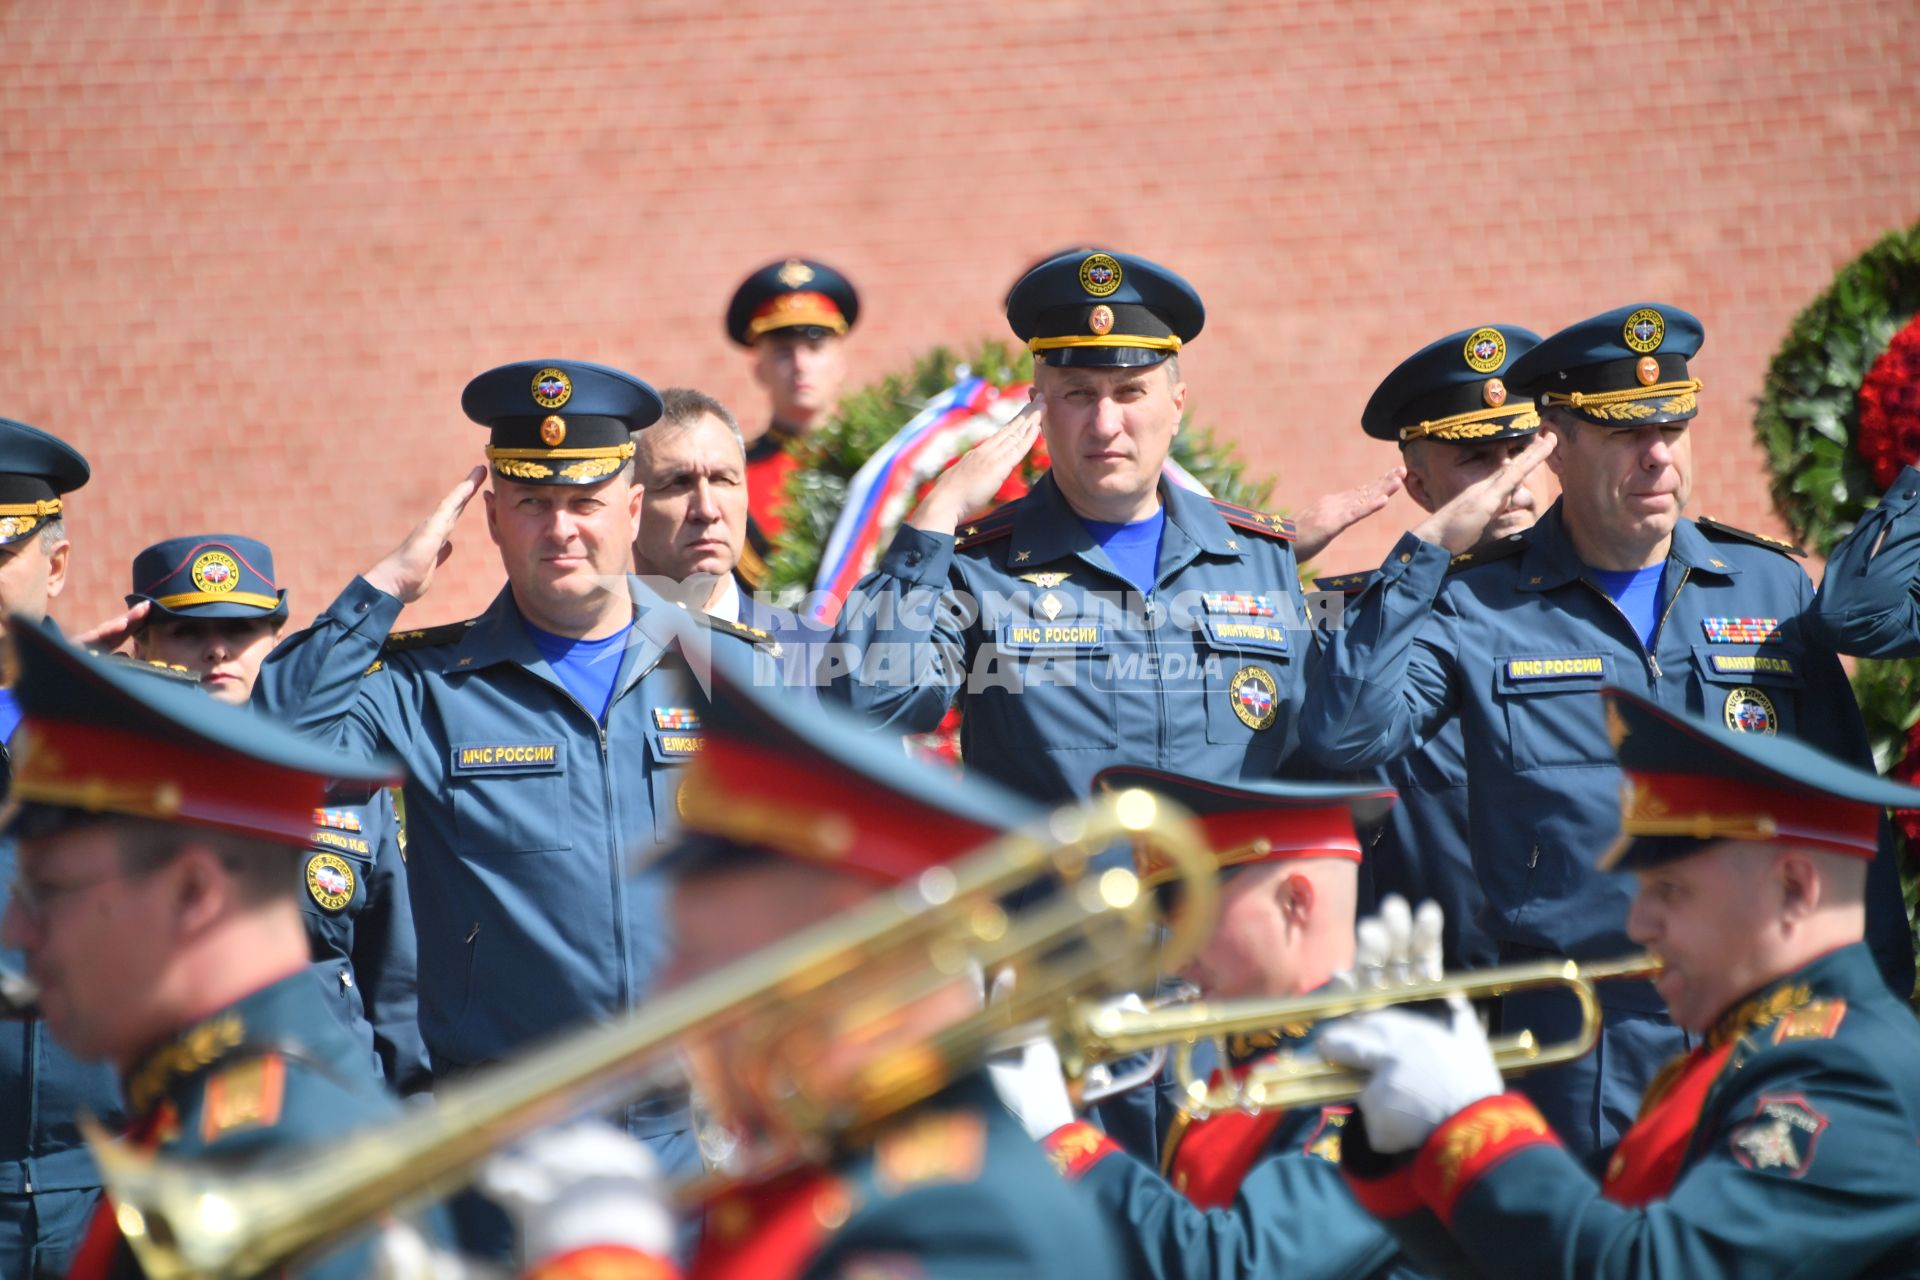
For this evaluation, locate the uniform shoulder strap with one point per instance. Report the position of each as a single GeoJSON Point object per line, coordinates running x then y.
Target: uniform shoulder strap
{"type": "Point", "coordinates": [987, 526]}
{"type": "Point", "coordinates": [1726, 532]}
{"type": "Point", "coordinates": [1347, 584]}
{"type": "Point", "coordinates": [1260, 522]}
{"type": "Point", "coordinates": [1486, 553]}
{"type": "Point", "coordinates": [427, 637]}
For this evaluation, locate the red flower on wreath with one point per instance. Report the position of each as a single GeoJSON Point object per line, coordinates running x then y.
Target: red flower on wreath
{"type": "Point", "coordinates": [1890, 407]}
{"type": "Point", "coordinates": [1908, 771]}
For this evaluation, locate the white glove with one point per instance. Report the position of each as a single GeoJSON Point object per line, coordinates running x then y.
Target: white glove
{"type": "Point", "coordinates": [1422, 1070]}
{"type": "Point", "coordinates": [1029, 1079]}
{"type": "Point", "coordinates": [1399, 945]}
{"type": "Point", "coordinates": [584, 1184]}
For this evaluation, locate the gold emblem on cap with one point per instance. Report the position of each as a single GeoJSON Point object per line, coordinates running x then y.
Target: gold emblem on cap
{"type": "Point", "coordinates": [795, 273]}
{"type": "Point", "coordinates": [553, 430]}
{"type": "Point", "coordinates": [552, 388]}
{"type": "Point", "coordinates": [1495, 393]}
{"type": "Point", "coordinates": [1100, 319]}
{"type": "Point", "coordinates": [1648, 371]}
{"type": "Point", "coordinates": [216, 573]}
{"type": "Point", "coordinates": [1486, 350]}
{"type": "Point", "coordinates": [1644, 330]}
{"type": "Point", "coordinates": [1099, 275]}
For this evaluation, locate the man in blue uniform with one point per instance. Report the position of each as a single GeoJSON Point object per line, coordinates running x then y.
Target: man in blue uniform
{"type": "Point", "coordinates": [1869, 602]}
{"type": "Point", "coordinates": [210, 604]}
{"type": "Point", "coordinates": [795, 814]}
{"type": "Point", "coordinates": [544, 740]}
{"type": "Point", "coordinates": [1242, 1193]}
{"type": "Point", "coordinates": [1787, 1142]}
{"type": "Point", "coordinates": [1449, 409]}
{"type": "Point", "coordinates": [1109, 616]}
{"type": "Point", "coordinates": [1613, 585]}
{"type": "Point", "coordinates": [158, 839]}
{"type": "Point", "coordinates": [48, 1184]}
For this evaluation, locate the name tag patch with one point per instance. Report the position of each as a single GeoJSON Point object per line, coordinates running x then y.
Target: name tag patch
{"type": "Point", "coordinates": [1229, 632]}
{"type": "Point", "coordinates": [1740, 630]}
{"type": "Point", "coordinates": [679, 746]}
{"type": "Point", "coordinates": [336, 840]}
{"type": "Point", "coordinates": [506, 757]}
{"type": "Point", "coordinates": [1021, 636]}
{"type": "Point", "coordinates": [1579, 666]}
{"type": "Point", "coordinates": [1746, 664]}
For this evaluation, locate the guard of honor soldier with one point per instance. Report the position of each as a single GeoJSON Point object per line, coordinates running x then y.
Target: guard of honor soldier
{"type": "Point", "coordinates": [793, 315]}
{"type": "Point", "coordinates": [1786, 1142]}
{"type": "Point", "coordinates": [159, 839]}
{"type": "Point", "coordinates": [1243, 1194]}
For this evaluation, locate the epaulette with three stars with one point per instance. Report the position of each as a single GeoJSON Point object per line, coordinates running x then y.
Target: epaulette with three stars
{"type": "Point", "coordinates": [1255, 521]}
{"type": "Point", "coordinates": [1511, 545]}
{"type": "Point", "coordinates": [427, 637]}
{"type": "Point", "coordinates": [985, 527]}
{"type": "Point", "coordinates": [1714, 529]}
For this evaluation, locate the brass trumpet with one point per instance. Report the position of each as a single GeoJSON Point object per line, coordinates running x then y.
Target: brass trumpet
{"type": "Point", "coordinates": [802, 1000]}
{"type": "Point", "coordinates": [1286, 1080]}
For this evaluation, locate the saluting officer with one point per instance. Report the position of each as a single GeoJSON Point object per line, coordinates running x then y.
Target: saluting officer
{"type": "Point", "coordinates": [793, 315]}
{"type": "Point", "coordinates": [48, 1184]}
{"type": "Point", "coordinates": [1786, 1143]}
{"type": "Point", "coordinates": [1457, 423]}
{"type": "Point", "coordinates": [796, 814]}
{"type": "Point", "coordinates": [1615, 585]}
{"type": "Point", "coordinates": [1869, 602]}
{"type": "Point", "coordinates": [544, 739]}
{"type": "Point", "coordinates": [210, 604]}
{"type": "Point", "coordinates": [159, 840]}
{"type": "Point", "coordinates": [1109, 616]}
{"type": "Point", "coordinates": [1240, 1193]}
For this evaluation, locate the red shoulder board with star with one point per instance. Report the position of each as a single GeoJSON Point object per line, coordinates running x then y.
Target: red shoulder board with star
{"type": "Point", "coordinates": [1278, 527]}
{"type": "Point", "coordinates": [985, 527]}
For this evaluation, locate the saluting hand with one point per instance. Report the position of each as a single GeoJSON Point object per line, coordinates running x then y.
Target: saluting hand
{"type": "Point", "coordinates": [1333, 514]}
{"type": "Point", "coordinates": [408, 569]}
{"type": "Point", "coordinates": [110, 635]}
{"type": "Point", "coordinates": [969, 484]}
{"type": "Point", "coordinates": [1463, 523]}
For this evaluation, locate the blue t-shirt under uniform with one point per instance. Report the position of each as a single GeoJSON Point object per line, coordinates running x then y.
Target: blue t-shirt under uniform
{"type": "Point", "coordinates": [9, 715]}
{"type": "Point", "coordinates": [1637, 592]}
{"type": "Point", "coordinates": [1134, 548]}
{"type": "Point", "coordinates": [588, 668]}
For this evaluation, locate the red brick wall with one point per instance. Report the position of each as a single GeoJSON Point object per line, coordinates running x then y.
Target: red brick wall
{"type": "Point", "coordinates": [254, 251]}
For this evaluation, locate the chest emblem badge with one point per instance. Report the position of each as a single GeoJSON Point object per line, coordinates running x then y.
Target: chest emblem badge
{"type": "Point", "coordinates": [1255, 697]}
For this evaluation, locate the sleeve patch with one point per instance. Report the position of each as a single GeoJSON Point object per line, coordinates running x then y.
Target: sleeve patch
{"type": "Point", "coordinates": [244, 1096]}
{"type": "Point", "coordinates": [1781, 1134]}
{"type": "Point", "coordinates": [1324, 1141]}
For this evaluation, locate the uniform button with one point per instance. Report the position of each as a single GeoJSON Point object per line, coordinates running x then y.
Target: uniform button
{"type": "Point", "coordinates": [913, 557]}
{"type": "Point", "coordinates": [361, 607]}
{"type": "Point", "coordinates": [1406, 557]}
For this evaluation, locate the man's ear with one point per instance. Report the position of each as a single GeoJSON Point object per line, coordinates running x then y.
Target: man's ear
{"type": "Point", "coordinates": [1564, 434]}
{"type": "Point", "coordinates": [202, 889]}
{"type": "Point", "coordinates": [57, 559]}
{"type": "Point", "coordinates": [1417, 488]}
{"type": "Point", "coordinates": [636, 497]}
{"type": "Point", "coordinates": [1295, 893]}
{"type": "Point", "coordinates": [1800, 886]}
{"type": "Point", "coordinates": [493, 520]}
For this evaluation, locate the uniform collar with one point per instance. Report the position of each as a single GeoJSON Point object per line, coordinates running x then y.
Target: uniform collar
{"type": "Point", "coordinates": [1813, 993]}
{"type": "Point", "coordinates": [1046, 529]}
{"type": "Point", "coordinates": [262, 1017]}
{"type": "Point", "coordinates": [1550, 561]}
{"type": "Point", "coordinates": [500, 636]}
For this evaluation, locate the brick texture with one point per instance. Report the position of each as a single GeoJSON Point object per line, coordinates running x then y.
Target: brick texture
{"type": "Point", "coordinates": [254, 251]}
